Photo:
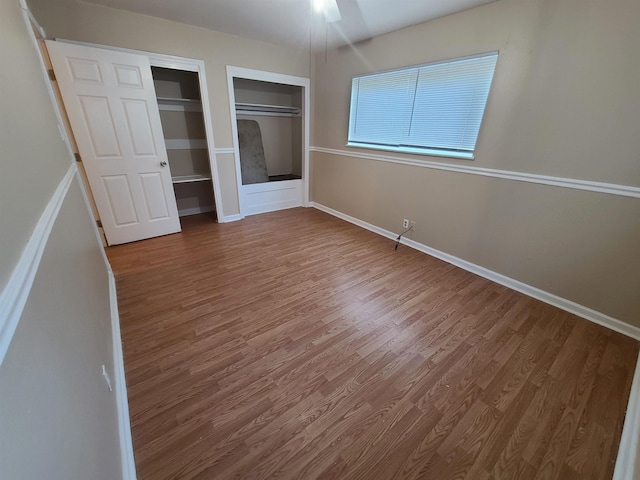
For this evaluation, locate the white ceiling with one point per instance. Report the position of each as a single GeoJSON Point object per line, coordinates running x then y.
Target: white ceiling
{"type": "Point", "coordinates": [289, 22]}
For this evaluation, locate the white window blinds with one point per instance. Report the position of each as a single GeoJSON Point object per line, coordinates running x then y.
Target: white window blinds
{"type": "Point", "coordinates": [433, 109]}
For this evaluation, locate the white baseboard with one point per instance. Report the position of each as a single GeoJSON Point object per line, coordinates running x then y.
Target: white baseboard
{"type": "Point", "coordinates": [185, 212]}
{"type": "Point", "coordinates": [562, 303]}
{"type": "Point", "coordinates": [628, 461]}
{"type": "Point", "coordinates": [124, 423]}
{"type": "Point", "coordinates": [232, 218]}
{"type": "Point", "coordinates": [14, 295]}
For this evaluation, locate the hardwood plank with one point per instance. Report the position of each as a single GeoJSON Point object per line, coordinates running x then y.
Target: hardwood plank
{"type": "Point", "coordinates": [295, 345]}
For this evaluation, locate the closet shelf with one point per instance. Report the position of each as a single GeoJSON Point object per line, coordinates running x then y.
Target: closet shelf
{"type": "Point", "coordinates": [177, 100]}
{"type": "Point", "coordinates": [180, 104]}
{"type": "Point", "coordinates": [190, 178]}
{"type": "Point", "coordinates": [272, 110]}
{"type": "Point", "coordinates": [185, 144]}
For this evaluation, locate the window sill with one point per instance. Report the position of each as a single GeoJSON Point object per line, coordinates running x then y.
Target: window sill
{"type": "Point", "coordinates": [414, 151]}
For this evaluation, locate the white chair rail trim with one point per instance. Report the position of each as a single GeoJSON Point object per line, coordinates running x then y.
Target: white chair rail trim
{"type": "Point", "coordinates": [14, 295]}
{"type": "Point", "coordinates": [573, 183]}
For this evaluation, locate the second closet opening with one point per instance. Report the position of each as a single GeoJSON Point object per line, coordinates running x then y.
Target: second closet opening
{"type": "Point", "coordinates": [269, 122]}
{"type": "Point", "coordinates": [181, 114]}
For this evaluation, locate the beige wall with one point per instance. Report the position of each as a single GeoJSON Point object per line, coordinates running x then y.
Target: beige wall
{"type": "Point", "coordinates": [57, 418]}
{"type": "Point", "coordinates": [34, 158]}
{"type": "Point", "coordinates": [564, 102]}
{"type": "Point", "coordinates": [91, 23]}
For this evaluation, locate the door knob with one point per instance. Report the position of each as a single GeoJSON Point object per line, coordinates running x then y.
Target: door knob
{"type": "Point", "coordinates": [163, 164]}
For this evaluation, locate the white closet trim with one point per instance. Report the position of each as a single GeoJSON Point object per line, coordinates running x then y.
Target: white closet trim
{"type": "Point", "coordinates": [225, 150]}
{"type": "Point", "coordinates": [264, 76]}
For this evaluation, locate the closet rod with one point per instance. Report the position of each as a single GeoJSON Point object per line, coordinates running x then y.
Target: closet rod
{"type": "Point", "coordinates": [256, 108]}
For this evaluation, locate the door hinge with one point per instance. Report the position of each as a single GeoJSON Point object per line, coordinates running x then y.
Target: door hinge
{"type": "Point", "coordinates": [52, 75]}
{"type": "Point", "coordinates": [78, 157]}
{"type": "Point", "coordinates": [99, 223]}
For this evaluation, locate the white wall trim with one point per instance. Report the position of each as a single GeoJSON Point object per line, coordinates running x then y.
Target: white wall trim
{"type": "Point", "coordinates": [226, 151]}
{"type": "Point", "coordinates": [15, 293]}
{"type": "Point", "coordinates": [562, 303]}
{"type": "Point", "coordinates": [627, 463]}
{"type": "Point", "coordinates": [576, 184]}
{"type": "Point", "coordinates": [232, 218]}
{"type": "Point", "coordinates": [32, 19]}
{"type": "Point", "coordinates": [124, 424]}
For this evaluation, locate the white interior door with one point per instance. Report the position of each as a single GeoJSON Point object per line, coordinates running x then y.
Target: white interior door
{"type": "Point", "coordinates": [111, 102]}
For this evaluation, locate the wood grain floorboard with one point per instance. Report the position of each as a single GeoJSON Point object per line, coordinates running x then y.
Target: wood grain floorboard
{"type": "Point", "coordinates": [294, 345]}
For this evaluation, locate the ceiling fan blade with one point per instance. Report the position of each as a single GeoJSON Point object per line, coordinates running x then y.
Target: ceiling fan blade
{"type": "Point", "coordinates": [329, 9]}
{"type": "Point", "coordinates": [332, 12]}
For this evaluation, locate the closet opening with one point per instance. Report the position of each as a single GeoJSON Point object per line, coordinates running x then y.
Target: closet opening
{"type": "Point", "coordinates": [143, 130]}
{"type": "Point", "coordinates": [183, 126]}
{"type": "Point", "coordinates": [270, 121]}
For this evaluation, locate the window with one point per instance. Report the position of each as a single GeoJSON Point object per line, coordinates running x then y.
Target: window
{"type": "Point", "coordinates": [433, 109]}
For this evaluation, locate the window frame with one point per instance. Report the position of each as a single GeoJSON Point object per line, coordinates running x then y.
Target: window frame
{"type": "Point", "coordinates": [415, 150]}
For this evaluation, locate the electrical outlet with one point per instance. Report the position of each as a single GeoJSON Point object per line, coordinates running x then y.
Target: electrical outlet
{"type": "Point", "coordinates": [405, 223]}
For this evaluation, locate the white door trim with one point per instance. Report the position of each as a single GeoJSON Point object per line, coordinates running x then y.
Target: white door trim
{"type": "Point", "coordinates": [251, 74]}
{"type": "Point", "coordinates": [189, 65]}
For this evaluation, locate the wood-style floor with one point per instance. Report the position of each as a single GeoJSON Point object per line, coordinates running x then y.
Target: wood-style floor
{"type": "Point", "coordinates": [296, 345]}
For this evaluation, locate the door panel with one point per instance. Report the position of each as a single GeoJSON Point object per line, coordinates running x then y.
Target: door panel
{"type": "Point", "coordinates": [119, 194]}
{"type": "Point", "coordinates": [154, 195]}
{"type": "Point", "coordinates": [140, 127]}
{"type": "Point", "coordinates": [112, 108]}
{"type": "Point", "coordinates": [128, 76]}
{"type": "Point", "coordinates": [101, 130]}
{"type": "Point", "coordinates": [87, 71]}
